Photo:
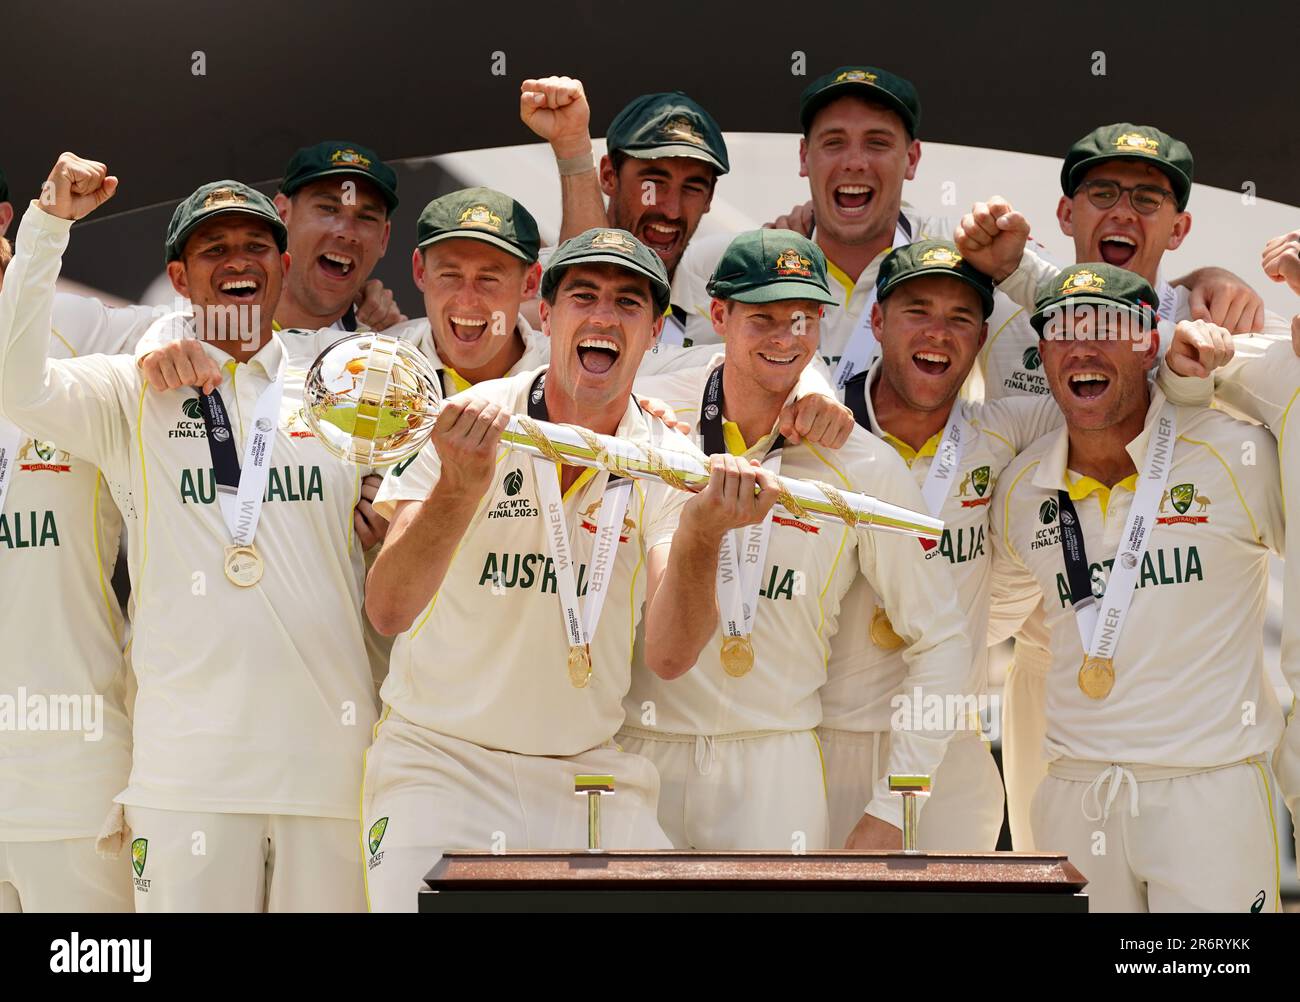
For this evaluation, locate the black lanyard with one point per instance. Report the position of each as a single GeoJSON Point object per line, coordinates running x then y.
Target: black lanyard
{"type": "Point", "coordinates": [1072, 549]}
{"type": "Point", "coordinates": [538, 412]}
{"type": "Point", "coordinates": [855, 397]}
{"type": "Point", "coordinates": [710, 425]}
{"type": "Point", "coordinates": [221, 440]}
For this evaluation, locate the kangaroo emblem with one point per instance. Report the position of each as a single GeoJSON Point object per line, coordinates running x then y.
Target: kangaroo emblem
{"type": "Point", "coordinates": [962, 487]}
{"type": "Point", "coordinates": [1164, 499]}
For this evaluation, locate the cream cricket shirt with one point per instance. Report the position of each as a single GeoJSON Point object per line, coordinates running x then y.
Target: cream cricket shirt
{"type": "Point", "coordinates": [1010, 359]}
{"type": "Point", "coordinates": [486, 660]}
{"type": "Point", "coordinates": [866, 674]}
{"type": "Point", "coordinates": [1189, 681]}
{"type": "Point", "coordinates": [60, 624]}
{"type": "Point", "coordinates": [1262, 381]}
{"type": "Point", "coordinates": [810, 569]}
{"type": "Point", "coordinates": [253, 700]}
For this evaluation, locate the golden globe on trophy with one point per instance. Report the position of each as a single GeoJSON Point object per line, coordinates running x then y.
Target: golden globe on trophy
{"type": "Point", "coordinates": [373, 399]}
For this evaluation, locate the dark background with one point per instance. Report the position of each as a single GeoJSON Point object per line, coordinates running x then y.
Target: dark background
{"type": "Point", "coordinates": [114, 82]}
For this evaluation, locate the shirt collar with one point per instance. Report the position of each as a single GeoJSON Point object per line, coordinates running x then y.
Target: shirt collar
{"type": "Point", "coordinates": [1051, 473]}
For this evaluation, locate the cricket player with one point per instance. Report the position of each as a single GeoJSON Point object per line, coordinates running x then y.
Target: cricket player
{"type": "Point", "coordinates": [336, 200]}
{"type": "Point", "coordinates": [931, 309]}
{"type": "Point", "coordinates": [664, 156]}
{"type": "Point", "coordinates": [1141, 528]}
{"type": "Point", "coordinates": [484, 730]}
{"type": "Point", "coordinates": [734, 740]}
{"type": "Point", "coordinates": [65, 738]}
{"type": "Point", "coordinates": [1125, 190]}
{"type": "Point", "coordinates": [243, 788]}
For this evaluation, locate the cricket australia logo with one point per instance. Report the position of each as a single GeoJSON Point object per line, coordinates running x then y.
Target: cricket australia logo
{"type": "Point", "coordinates": [941, 257]}
{"type": "Point", "coordinates": [1135, 142]}
{"type": "Point", "coordinates": [351, 158]}
{"type": "Point", "coordinates": [373, 840]}
{"type": "Point", "coordinates": [855, 76]}
{"type": "Point", "coordinates": [683, 130]}
{"type": "Point", "coordinates": [789, 262]}
{"type": "Point", "coordinates": [139, 853]}
{"type": "Point", "coordinates": [982, 483]}
{"type": "Point", "coordinates": [613, 240]}
{"type": "Point", "coordinates": [1083, 281]}
{"type": "Point", "coordinates": [481, 216]}
{"type": "Point", "coordinates": [224, 196]}
{"type": "Point", "coordinates": [1182, 497]}
{"type": "Point", "coordinates": [37, 456]}
{"type": "Point", "coordinates": [588, 516]}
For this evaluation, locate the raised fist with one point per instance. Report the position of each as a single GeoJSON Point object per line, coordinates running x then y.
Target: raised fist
{"type": "Point", "coordinates": [76, 187]}
{"type": "Point", "coordinates": [991, 237]}
{"type": "Point", "coordinates": [556, 109]}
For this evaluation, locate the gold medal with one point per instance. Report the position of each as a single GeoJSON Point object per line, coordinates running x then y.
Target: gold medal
{"type": "Point", "coordinates": [579, 665]}
{"type": "Point", "coordinates": [1097, 677]}
{"type": "Point", "coordinates": [882, 631]}
{"type": "Point", "coordinates": [737, 656]}
{"type": "Point", "coordinates": [243, 566]}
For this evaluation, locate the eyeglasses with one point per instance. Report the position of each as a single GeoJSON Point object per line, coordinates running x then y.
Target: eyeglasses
{"type": "Point", "coordinates": [1145, 198]}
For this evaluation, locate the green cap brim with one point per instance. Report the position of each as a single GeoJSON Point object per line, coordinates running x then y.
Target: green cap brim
{"type": "Point", "coordinates": [986, 297]}
{"type": "Point", "coordinates": [487, 238]}
{"type": "Point", "coordinates": [677, 150]}
{"type": "Point", "coordinates": [780, 291]}
{"type": "Point", "coordinates": [389, 195]}
{"type": "Point", "coordinates": [661, 293]}
{"type": "Point", "coordinates": [866, 91]}
{"type": "Point", "coordinates": [1039, 319]}
{"type": "Point", "coordinates": [277, 227]}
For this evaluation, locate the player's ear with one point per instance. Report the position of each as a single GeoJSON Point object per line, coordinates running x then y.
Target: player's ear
{"type": "Point", "coordinates": [532, 280]}
{"type": "Point", "coordinates": [417, 267]}
{"type": "Point", "coordinates": [179, 279]}
{"type": "Point", "coordinates": [544, 314]}
{"type": "Point", "coordinates": [282, 206]}
{"type": "Point", "coordinates": [1065, 215]}
{"type": "Point", "coordinates": [913, 158]}
{"type": "Point", "coordinates": [984, 334]}
{"type": "Point", "coordinates": [608, 176]}
{"type": "Point", "coordinates": [1182, 227]}
{"type": "Point", "coordinates": [803, 156]}
{"type": "Point", "coordinates": [6, 217]}
{"type": "Point", "coordinates": [718, 316]}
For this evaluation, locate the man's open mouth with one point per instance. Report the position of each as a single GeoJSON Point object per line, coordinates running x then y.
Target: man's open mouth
{"type": "Point", "coordinates": [243, 289]}
{"type": "Point", "coordinates": [335, 264]}
{"type": "Point", "coordinates": [660, 237]}
{"type": "Point", "coordinates": [466, 328]}
{"type": "Point", "coordinates": [853, 198]}
{"type": "Point", "coordinates": [1117, 249]}
{"type": "Point", "coordinates": [1088, 385]}
{"type": "Point", "coordinates": [597, 355]}
{"type": "Point", "coordinates": [932, 363]}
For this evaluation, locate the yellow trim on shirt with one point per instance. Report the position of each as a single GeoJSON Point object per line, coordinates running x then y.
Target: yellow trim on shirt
{"type": "Point", "coordinates": [1254, 526]}
{"type": "Point", "coordinates": [138, 585]}
{"type": "Point", "coordinates": [910, 455]}
{"type": "Point", "coordinates": [733, 439]}
{"type": "Point", "coordinates": [1272, 827]}
{"type": "Point", "coordinates": [1081, 488]}
{"type": "Point", "coordinates": [99, 562]}
{"type": "Point", "coordinates": [459, 384]}
{"type": "Point", "coordinates": [838, 273]}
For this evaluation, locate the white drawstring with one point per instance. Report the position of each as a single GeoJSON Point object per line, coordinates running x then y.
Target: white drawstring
{"type": "Point", "coordinates": [703, 754]}
{"type": "Point", "coordinates": [1118, 776]}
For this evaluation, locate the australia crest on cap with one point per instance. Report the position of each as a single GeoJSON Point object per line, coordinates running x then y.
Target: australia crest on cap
{"type": "Point", "coordinates": [1138, 143]}
{"type": "Point", "coordinates": [941, 257]}
{"type": "Point", "coordinates": [682, 129]}
{"type": "Point", "coordinates": [224, 196]}
{"type": "Point", "coordinates": [790, 262]}
{"type": "Point", "coordinates": [350, 156]}
{"type": "Point", "coordinates": [480, 215]}
{"type": "Point", "coordinates": [855, 76]}
{"type": "Point", "coordinates": [613, 240]}
{"type": "Point", "coordinates": [1083, 281]}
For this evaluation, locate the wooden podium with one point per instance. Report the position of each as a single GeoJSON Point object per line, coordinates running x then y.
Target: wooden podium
{"type": "Point", "coordinates": [670, 881]}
